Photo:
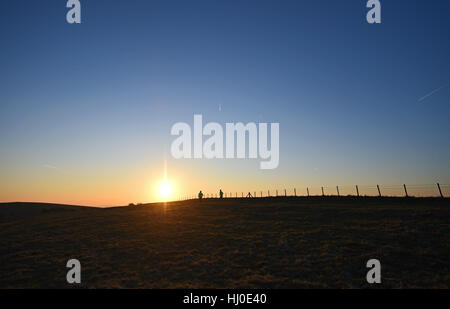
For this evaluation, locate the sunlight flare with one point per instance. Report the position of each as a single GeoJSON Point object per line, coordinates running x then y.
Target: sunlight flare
{"type": "Point", "coordinates": [165, 190]}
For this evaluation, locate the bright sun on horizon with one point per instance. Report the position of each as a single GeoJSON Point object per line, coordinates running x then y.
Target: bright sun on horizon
{"type": "Point", "coordinates": [165, 190]}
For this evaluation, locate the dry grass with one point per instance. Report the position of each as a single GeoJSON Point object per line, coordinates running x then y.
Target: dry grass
{"type": "Point", "coordinates": [234, 243]}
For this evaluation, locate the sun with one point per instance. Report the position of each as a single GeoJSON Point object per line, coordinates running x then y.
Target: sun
{"type": "Point", "coordinates": [165, 190]}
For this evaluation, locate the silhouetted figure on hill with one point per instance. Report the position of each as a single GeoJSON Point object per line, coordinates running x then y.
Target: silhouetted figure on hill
{"type": "Point", "coordinates": [221, 193]}
{"type": "Point", "coordinates": [200, 195]}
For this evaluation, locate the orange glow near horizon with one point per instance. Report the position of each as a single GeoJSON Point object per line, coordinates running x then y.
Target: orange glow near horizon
{"type": "Point", "coordinates": [156, 180]}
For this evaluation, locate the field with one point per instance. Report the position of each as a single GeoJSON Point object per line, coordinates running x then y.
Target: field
{"type": "Point", "coordinates": [316, 242]}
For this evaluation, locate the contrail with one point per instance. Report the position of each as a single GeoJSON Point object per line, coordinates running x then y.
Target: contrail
{"type": "Point", "coordinates": [55, 168]}
{"type": "Point", "coordinates": [433, 92]}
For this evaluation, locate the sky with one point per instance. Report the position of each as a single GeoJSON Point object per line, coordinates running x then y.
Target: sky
{"type": "Point", "coordinates": [86, 109]}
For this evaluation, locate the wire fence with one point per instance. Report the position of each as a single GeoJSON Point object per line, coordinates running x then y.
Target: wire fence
{"type": "Point", "coordinates": [426, 190]}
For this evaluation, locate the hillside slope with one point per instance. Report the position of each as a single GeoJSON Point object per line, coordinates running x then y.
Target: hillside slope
{"type": "Point", "coordinates": [233, 243]}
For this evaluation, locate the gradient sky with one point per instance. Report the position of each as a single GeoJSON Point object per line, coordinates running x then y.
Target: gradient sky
{"type": "Point", "coordinates": [86, 110]}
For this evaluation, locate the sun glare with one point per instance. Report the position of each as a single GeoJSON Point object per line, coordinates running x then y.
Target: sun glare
{"type": "Point", "coordinates": [165, 190]}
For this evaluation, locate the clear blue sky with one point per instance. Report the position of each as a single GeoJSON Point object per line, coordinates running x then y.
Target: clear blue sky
{"type": "Point", "coordinates": [100, 98]}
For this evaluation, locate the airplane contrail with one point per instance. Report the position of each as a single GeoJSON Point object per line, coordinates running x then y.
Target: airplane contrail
{"type": "Point", "coordinates": [433, 92]}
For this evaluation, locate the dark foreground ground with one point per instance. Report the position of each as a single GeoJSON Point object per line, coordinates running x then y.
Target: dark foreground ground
{"type": "Point", "coordinates": [234, 243]}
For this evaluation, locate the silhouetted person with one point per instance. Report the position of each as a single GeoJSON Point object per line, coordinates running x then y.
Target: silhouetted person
{"type": "Point", "coordinates": [221, 193]}
{"type": "Point", "coordinates": [200, 195]}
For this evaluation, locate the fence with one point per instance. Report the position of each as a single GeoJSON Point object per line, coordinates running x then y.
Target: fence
{"type": "Point", "coordinates": [427, 190]}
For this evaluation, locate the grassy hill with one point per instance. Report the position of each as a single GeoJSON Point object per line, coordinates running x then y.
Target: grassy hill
{"type": "Point", "coordinates": [318, 242]}
{"type": "Point", "coordinates": [20, 211]}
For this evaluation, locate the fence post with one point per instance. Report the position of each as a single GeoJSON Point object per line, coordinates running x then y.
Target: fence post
{"type": "Point", "coordinates": [440, 191]}
{"type": "Point", "coordinates": [285, 194]}
{"type": "Point", "coordinates": [295, 192]}
{"type": "Point", "coordinates": [379, 191]}
{"type": "Point", "coordinates": [323, 194]}
{"type": "Point", "coordinates": [307, 191]}
{"type": "Point", "coordinates": [261, 193]}
{"type": "Point", "coordinates": [277, 193]}
{"type": "Point", "coordinates": [268, 193]}
{"type": "Point", "coordinates": [406, 191]}
{"type": "Point", "coordinates": [357, 191]}
{"type": "Point", "coordinates": [337, 189]}
{"type": "Point", "coordinates": [254, 194]}
{"type": "Point", "coordinates": [242, 194]}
